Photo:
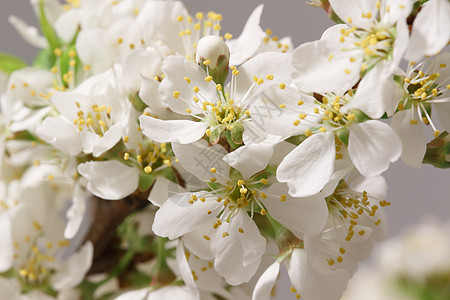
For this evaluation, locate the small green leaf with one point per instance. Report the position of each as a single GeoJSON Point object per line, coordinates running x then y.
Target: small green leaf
{"type": "Point", "coordinates": [10, 63]}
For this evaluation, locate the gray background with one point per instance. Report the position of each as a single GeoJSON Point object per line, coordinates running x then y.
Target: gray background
{"type": "Point", "coordinates": [413, 193]}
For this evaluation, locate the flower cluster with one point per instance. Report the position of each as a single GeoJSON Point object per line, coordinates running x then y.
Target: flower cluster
{"type": "Point", "coordinates": [147, 154]}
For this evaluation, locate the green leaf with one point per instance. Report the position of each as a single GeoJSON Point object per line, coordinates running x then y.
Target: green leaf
{"type": "Point", "coordinates": [10, 63]}
{"type": "Point", "coordinates": [47, 29]}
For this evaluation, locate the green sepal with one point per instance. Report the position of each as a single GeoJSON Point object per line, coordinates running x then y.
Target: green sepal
{"type": "Point", "coordinates": [235, 175]}
{"type": "Point", "coordinates": [342, 135]}
{"type": "Point", "coordinates": [145, 181]}
{"type": "Point", "coordinates": [437, 151]}
{"type": "Point", "coordinates": [230, 141]}
{"type": "Point", "coordinates": [10, 63]}
{"type": "Point", "coordinates": [47, 29]}
{"type": "Point", "coordinates": [237, 132]}
{"type": "Point", "coordinates": [64, 63]}
{"type": "Point", "coordinates": [360, 116]}
{"type": "Point", "coordinates": [137, 102]}
{"type": "Point", "coordinates": [45, 59]}
{"type": "Point", "coordinates": [215, 135]}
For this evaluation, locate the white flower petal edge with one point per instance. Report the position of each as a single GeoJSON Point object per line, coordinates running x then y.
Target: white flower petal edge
{"type": "Point", "coordinates": [177, 216]}
{"type": "Point", "coordinates": [245, 247]}
{"type": "Point", "coordinates": [412, 137]}
{"type": "Point", "coordinates": [244, 47]}
{"type": "Point", "coordinates": [181, 131]}
{"type": "Point", "coordinates": [431, 30]}
{"type": "Point", "coordinates": [266, 282]}
{"type": "Point", "coordinates": [28, 33]}
{"type": "Point", "coordinates": [110, 179]}
{"type": "Point", "coordinates": [372, 146]}
{"type": "Point", "coordinates": [174, 292]}
{"type": "Point", "coordinates": [71, 272]}
{"type": "Point", "coordinates": [300, 215]}
{"type": "Point", "coordinates": [7, 253]}
{"type": "Point", "coordinates": [316, 72]}
{"type": "Point", "coordinates": [250, 159]}
{"type": "Point", "coordinates": [308, 168]}
{"type": "Point", "coordinates": [305, 278]}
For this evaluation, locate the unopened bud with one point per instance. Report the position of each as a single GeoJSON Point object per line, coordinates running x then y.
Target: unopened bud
{"type": "Point", "coordinates": [213, 54]}
{"type": "Point", "coordinates": [211, 48]}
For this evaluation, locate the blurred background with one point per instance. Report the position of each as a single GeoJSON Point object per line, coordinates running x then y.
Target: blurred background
{"type": "Point", "coordinates": [414, 193]}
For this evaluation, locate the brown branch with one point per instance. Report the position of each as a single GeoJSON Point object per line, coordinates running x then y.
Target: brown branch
{"type": "Point", "coordinates": [108, 215]}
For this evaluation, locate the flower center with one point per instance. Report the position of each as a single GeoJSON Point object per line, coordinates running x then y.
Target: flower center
{"type": "Point", "coordinates": [96, 120]}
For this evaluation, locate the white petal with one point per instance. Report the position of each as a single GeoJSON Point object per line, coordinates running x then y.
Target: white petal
{"type": "Point", "coordinates": [67, 24]}
{"type": "Point", "coordinates": [375, 186]}
{"type": "Point", "coordinates": [306, 215]}
{"type": "Point", "coordinates": [96, 47]}
{"type": "Point", "coordinates": [354, 9]}
{"type": "Point", "coordinates": [322, 66]}
{"type": "Point", "coordinates": [267, 113]}
{"type": "Point", "coordinates": [181, 131]}
{"type": "Point", "coordinates": [174, 292]}
{"type": "Point", "coordinates": [443, 112]}
{"type": "Point", "coordinates": [76, 213]}
{"type": "Point", "coordinates": [149, 94]}
{"type": "Point", "coordinates": [62, 135]}
{"type": "Point", "coordinates": [134, 295]}
{"type": "Point", "coordinates": [250, 159]}
{"type": "Point", "coordinates": [89, 140]}
{"type": "Point", "coordinates": [177, 216]}
{"type": "Point", "coordinates": [182, 263]}
{"type": "Point", "coordinates": [160, 20]}
{"type": "Point", "coordinates": [72, 272]}
{"type": "Point", "coordinates": [266, 282]}
{"type": "Point", "coordinates": [6, 243]}
{"type": "Point", "coordinates": [377, 93]}
{"type": "Point", "coordinates": [110, 179]}
{"type": "Point", "coordinates": [412, 136]}
{"type": "Point", "coordinates": [306, 279]}
{"type": "Point", "coordinates": [308, 168]}
{"type": "Point", "coordinates": [269, 63]}
{"type": "Point", "coordinates": [244, 47]}
{"type": "Point", "coordinates": [372, 146]}
{"type": "Point", "coordinates": [111, 137]}
{"type": "Point", "coordinates": [28, 33]}
{"type": "Point", "coordinates": [195, 242]}
{"type": "Point", "coordinates": [176, 68]}
{"type": "Point", "coordinates": [198, 158]}
{"type": "Point", "coordinates": [398, 11]}
{"type": "Point", "coordinates": [139, 63]}
{"type": "Point", "coordinates": [431, 30]}
{"type": "Point", "coordinates": [10, 288]}
{"type": "Point", "coordinates": [159, 193]}
{"type": "Point", "coordinates": [246, 249]}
